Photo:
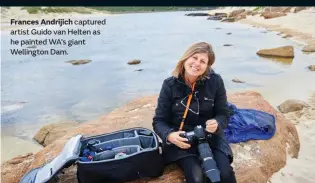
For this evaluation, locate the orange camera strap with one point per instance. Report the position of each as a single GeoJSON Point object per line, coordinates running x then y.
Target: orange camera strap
{"type": "Point", "coordinates": [187, 107]}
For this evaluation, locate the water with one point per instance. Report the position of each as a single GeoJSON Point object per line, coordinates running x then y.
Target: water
{"type": "Point", "coordinates": [44, 89]}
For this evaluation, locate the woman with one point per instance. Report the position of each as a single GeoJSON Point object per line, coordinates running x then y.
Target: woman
{"type": "Point", "coordinates": [207, 107]}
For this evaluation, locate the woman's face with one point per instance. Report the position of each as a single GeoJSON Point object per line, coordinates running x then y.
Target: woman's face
{"type": "Point", "coordinates": [196, 65]}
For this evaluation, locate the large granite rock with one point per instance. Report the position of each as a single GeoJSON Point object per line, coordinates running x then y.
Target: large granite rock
{"type": "Point", "coordinates": [221, 14]}
{"type": "Point", "coordinates": [49, 133]}
{"type": "Point", "coordinates": [236, 12]}
{"type": "Point", "coordinates": [309, 48]}
{"type": "Point", "coordinates": [269, 15]}
{"type": "Point", "coordinates": [228, 20]}
{"type": "Point", "coordinates": [297, 9]}
{"type": "Point", "coordinates": [277, 9]}
{"type": "Point", "coordinates": [283, 51]}
{"type": "Point", "coordinates": [254, 161]}
{"type": "Point", "coordinates": [292, 105]}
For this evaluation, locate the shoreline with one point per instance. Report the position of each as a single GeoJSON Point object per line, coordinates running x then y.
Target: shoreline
{"type": "Point", "coordinates": [299, 26]}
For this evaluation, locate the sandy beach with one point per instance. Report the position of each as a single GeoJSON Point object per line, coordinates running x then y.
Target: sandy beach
{"type": "Point", "coordinates": [292, 85]}
{"type": "Point", "coordinates": [301, 26]}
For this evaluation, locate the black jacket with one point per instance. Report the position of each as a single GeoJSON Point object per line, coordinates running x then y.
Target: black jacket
{"type": "Point", "coordinates": [208, 102]}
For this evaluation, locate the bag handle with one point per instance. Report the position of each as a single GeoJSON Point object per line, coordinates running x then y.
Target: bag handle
{"type": "Point", "coordinates": [187, 106]}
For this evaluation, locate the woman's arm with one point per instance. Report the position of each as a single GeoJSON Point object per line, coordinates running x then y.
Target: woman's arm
{"type": "Point", "coordinates": [163, 112]}
{"type": "Point", "coordinates": [222, 114]}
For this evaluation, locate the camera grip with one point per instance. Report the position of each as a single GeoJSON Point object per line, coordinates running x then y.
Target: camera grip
{"type": "Point", "coordinates": [183, 135]}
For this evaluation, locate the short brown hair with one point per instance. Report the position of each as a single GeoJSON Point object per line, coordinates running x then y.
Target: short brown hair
{"type": "Point", "coordinates": [201, 47]}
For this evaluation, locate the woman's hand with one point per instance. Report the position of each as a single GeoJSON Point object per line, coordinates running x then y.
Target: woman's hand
{"type": "Point", "coordinates": [179, 141]}
{"type": "Point", "coordinates": [211, 125]}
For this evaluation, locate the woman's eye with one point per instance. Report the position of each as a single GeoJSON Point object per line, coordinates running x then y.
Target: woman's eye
{"type": "Point", "coordinates": [203, 62]}
{"type": "Point", "coordinates": [195, 58]}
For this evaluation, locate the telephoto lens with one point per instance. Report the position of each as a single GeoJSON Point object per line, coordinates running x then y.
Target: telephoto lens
{"type": "Point", "coordinates": [208, 164]}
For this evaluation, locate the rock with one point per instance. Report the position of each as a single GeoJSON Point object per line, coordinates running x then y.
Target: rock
{"type": "Point", "coordinates": [218, 28]}
{"type": "Point", "coordinates": [251, 13]}
{"type": "Point", "coordinates": [283, 51]}
{"type": "Point", "coordinates": [236, 12]}
{"type": "Point", "coordinates": [13, 170]}
{"type": "Point", "coordinates": [221, 14]}
{"type": "Point", "coordinates": [264, 32]}
{"type": "Point", "coordinates": [228, 20]}
{"type": "Point", "coordinates": [311, 67]}
{"type": "Point", "coordinates": [133, 62]}
{"type": "Point", "coordinates": [240, 17]}
{"type": "Point", "coordinates": [211, 17]}
{"type": "Point", "coordinates": [291, 106]}
{"type": "Point", "coordinates": [139, 70]}
{"type": "Point", "coordinates": [277, 9]}
{"type": "Point", "coordinates": [227, 45]}
{"type": "Point", "coordinates": [197, 14]}
{"type": "Point", "coordinates": [254, 161]}
{"type": "Point", "coordinates": [269, 15]}
{"type": "Point", "coordinates": [229, 33]}
{"type": "Point", "coordinates": [309, 48]}
{"type": "Point", "coordinates": [287, 36]}
{"type": "Point", "coordinates": [297, 9]}
{"type": "Point", "coordinates": [78, 62]}
{"type": "Point", "coordinates": [254, 13]}
{"type": "Point", "coordinates": [237, 81]}
{"type": "Point", "coordinates": [49, 133]}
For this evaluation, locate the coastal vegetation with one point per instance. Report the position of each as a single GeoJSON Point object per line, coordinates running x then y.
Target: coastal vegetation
{"type": "Point", "coordinates": [259, 8]}
{"type": "Point", "coordinates": [111, 9]}
{"type": "Point", "coordinates": [38, 9]}
{"type": "Point", "coordinates": [129, 9]}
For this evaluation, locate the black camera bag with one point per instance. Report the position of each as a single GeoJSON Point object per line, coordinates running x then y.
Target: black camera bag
{"type": "Point", "coordinates": [132, 154]}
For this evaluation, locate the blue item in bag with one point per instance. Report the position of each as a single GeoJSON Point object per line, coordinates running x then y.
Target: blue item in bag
{"type": "Point", "coordinates": [87, 155]}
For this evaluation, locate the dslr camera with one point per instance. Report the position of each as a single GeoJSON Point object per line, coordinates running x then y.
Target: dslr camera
{"type": "Point", "coordinates": [201, 137]}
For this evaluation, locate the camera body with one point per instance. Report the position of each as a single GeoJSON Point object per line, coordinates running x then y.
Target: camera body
{"type": "Point", "coordinates": [198, 135]}
{"type": "Point", "coordinates": [201, 137]}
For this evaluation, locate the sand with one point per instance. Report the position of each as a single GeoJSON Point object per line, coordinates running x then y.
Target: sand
{"type": "Point", "coordinates": [300, 25]}
{"type": "Point", "coordinates": [301, 169]}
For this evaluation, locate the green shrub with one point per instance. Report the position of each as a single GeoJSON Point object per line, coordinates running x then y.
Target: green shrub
{"type": "Point", "coordinates": [258, 8]}
{"type": "Point", "coordinates": [34, 10]}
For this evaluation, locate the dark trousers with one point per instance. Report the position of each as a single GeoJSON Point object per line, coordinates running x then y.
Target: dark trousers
{"type": "Point", "coordinates": [191, 167]}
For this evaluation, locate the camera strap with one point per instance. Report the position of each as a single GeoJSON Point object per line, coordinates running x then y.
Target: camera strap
{"type": "Point", "coordinates": [187, 106]}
